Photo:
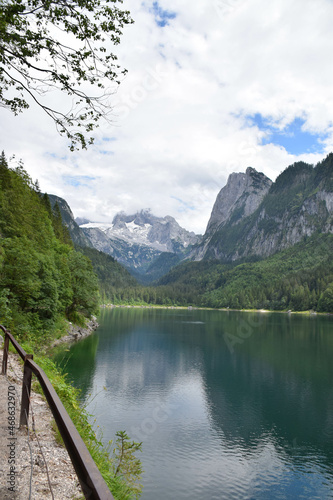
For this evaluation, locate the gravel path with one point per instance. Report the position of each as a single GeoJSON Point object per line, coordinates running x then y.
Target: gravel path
{"type": "Point", "coordinates": [23, 463]}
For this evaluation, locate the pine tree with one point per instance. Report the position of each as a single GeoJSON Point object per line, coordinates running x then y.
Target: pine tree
{"type": "Point", "coordinates": [60, 229]}
{"type": "Point", "coordinates": [47, 203]}
{"type": "Point", "coordinates": [4, 172]}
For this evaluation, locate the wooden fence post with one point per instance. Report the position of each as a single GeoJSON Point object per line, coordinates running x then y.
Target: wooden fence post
{"type": "Point", "coordinates": [5, 354]}
{"type": "Point", "coordinates": [26, 390]}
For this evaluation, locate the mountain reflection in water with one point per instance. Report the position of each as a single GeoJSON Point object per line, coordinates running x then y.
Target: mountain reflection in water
{"type": "Point", "coordinates": [252, 419]}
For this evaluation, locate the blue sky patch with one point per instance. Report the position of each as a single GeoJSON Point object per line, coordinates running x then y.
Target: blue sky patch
{"type": "Point", "coordinates": [56, 156]}
{"type": "Point", "coordinates": [105, 152]}
{"type": "Point", "coordinates": [292, 138]}
{"type": "Point", "coordinates": [162, 16]}
{"type": "Point", "coordinates": [183, 205]}
{"type": "Point", "coordinates": [109, 139]}
{"type": "Point", "coordinates": [79, 180]}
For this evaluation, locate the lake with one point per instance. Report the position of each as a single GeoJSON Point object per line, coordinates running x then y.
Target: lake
{"type": "Point", "coordinates": [228, 405]}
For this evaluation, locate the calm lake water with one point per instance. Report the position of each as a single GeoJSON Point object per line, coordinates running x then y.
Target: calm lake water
{"type": "Point", "coordinates": [228, 405]}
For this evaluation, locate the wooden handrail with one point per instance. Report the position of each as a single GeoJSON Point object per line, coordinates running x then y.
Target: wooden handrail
{"type": "Point", "coordinates": [91, 480]}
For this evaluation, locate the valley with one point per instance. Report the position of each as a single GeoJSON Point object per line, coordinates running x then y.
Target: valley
{"type": "Point", "coordinates": [267, 245]}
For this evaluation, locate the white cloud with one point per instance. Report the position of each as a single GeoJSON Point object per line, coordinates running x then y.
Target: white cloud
{"type": "Point", "coordinates": [179, 115]}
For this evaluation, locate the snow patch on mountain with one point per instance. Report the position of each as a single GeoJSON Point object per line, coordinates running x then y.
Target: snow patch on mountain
{"type": "Point", "coordinates": [144, 229]}
{"type": "Point", "coordinates": [99, 225]}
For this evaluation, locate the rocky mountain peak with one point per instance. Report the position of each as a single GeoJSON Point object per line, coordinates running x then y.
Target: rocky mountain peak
{"type": "Point", "coordinates": [239, 198]}
{"type": "Point", "coordinates": [137, 240]}
{"type": "Point", "coordinates": [140, 218]}
{"type": "Point", "coordinates": [254, 217]}
{"type": "Point", "coordinates": [162, 233]}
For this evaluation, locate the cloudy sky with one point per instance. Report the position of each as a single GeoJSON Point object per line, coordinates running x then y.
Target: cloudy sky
{"type": "Point", "coordinates": [213, 86]}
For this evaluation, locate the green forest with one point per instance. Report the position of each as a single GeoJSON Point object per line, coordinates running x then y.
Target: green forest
{"type": "Point", "coordinates": [298, 279]}
{"type": "Point", "coordinates": [43, 278]}
{"type": "Point", "coordinates": [44, 281]}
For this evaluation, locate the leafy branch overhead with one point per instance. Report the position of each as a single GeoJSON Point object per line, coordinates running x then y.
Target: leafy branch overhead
{"type": "Point", "coordinates": [64, 46]}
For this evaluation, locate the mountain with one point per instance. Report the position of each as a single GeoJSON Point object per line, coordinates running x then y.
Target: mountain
{"type": "Point", "coordinates": [267, 245]}
{"type": "Point", "coordinates": [111, 275]}
{"type": "Point", "coordinates": [78, 237]}
{"type": "Point", "coordinates": [137, 240]}
{"type": "Point", "coordinates": [254, 217]}
{"type": "Point", "coordinates": [81, 220]}
{"type": "Point", "coordinates": [237, 200]}
{"type": "Point", "coordinates": [240, 197]}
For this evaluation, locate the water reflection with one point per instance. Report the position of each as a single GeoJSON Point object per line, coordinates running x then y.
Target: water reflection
{"type": "Point", "coordinates": [255, 421]}
{"type": "Point", "coordinates": [79, 362]}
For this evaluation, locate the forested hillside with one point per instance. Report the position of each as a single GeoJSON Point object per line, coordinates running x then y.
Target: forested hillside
{"type": "Point", "coordinates": [112, 276]}
{"type": "Point", "coordinates": [299, 278]}
{"type": "Point", "coordinates": [42, 277]}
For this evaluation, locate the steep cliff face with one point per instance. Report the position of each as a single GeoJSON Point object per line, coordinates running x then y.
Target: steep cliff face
{"type": "Point", "coordinates": [248, 221]}
{"type": "Point", "coordinates": [238, 199]}
{"type": "Point", "coordinates": [298, 205]}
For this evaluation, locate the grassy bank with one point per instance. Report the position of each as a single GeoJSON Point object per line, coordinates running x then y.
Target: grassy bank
{"type": "Point", "coordinates": [309, 312]}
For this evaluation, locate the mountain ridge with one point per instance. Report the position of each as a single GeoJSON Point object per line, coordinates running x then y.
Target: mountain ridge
{"type": "Point", "coordinates": [77, 236]}
{"type": "Point", "coordinates": [238, 199]}
{"type": "Point", "coordinates": [162, 233]}
{"type": "Point", "coordinates": [279, 214]}
{"type": "Point", "coordinates": [137, 240]}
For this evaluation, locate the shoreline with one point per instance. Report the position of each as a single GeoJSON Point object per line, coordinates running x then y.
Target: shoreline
{"type": "Point", "coordinates": [75, 332]}
{"type": "Point", "coordinates": [224, 309]}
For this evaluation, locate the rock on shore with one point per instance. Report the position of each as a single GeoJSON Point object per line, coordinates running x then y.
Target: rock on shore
{"type": "Point", "coordinates": [76, 332]}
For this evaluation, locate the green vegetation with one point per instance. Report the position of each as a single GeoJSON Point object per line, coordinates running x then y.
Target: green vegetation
{"type": "Point", "coordinates": [160, 266]}
{"type": "Point", "coordinates": [294, 185]}
{"type": "Point", "coordinates": [43, 282]}
{"type": "Point", "coordinates": [111, 275]}
{"type": "Point", "coordinates": [118, 286]}
{"type": "Point", "coordinates": [42, 276]}
{"type": "Point", "coordinates": [128, 465]}
{"type": "Point", "coordinates": [299, 278]}
{"type": "Point", "coordinates": [291, 201]}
